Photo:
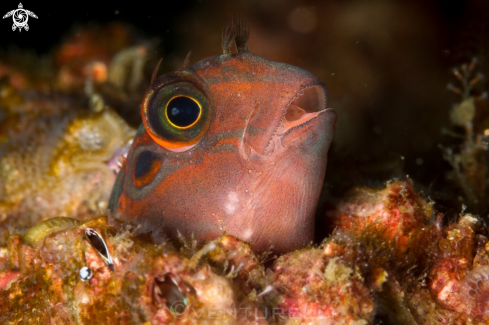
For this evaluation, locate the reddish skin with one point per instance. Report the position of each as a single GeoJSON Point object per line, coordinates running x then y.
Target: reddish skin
{"type": "Point", "coordinates": [250, 175]}
{"type": "Point", "coordinates": [7, 277]}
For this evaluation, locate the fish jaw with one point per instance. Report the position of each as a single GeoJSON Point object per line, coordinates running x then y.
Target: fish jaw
{"type": "Point", "coordinates": [290, 177]}
{"type": "Point", "coordinates": [297, 162]}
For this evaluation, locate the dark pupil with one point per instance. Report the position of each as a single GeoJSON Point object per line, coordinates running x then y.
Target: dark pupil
{"type": "Point", "coordinates": [182, 111]}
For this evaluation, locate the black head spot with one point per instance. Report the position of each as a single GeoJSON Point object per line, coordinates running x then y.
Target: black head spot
{"type": "Point", "coordinates": [146, 167]}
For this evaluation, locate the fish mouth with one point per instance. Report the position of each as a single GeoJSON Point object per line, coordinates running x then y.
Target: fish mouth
{"type": "Point", "coordinates": [309, 102]}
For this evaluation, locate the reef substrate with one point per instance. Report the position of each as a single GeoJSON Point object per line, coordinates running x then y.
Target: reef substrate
{"type": "Point", "coordinates": [389, 259]}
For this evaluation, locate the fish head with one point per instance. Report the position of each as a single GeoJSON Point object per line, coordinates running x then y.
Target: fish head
{"type": "Point", "coordinates": [234, 144]}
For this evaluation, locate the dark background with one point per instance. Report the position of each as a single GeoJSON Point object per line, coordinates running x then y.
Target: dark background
{"type": "Point", "coordinates": [386, 64]}
{"type": "Point", "coordinates": [161, 18]}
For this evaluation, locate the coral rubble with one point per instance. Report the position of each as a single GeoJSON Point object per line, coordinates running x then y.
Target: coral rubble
{"type": "Point", "coordinates": [61, 137]}
{"type": "Point", "coordinates": [390, 258]}
{"type": "Point", "coordinates": [429, 273]}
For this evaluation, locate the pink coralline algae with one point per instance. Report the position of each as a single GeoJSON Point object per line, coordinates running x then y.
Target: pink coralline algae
{"type": "Point", "coordinates": [429, 273]}
{"type": "Point", "coordinates": [390, 259]}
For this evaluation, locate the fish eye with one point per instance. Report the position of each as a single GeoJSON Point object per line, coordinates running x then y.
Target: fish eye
{"type": "Point", "coordinates": [176, 116]}
{"type": "Point", "coordinates": [182, 111]}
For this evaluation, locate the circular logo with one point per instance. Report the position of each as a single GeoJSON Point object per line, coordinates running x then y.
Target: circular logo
{"type": "Point", "coordinates": [179, 309]}
{"type": "Point", "coordinates": [20, 18]}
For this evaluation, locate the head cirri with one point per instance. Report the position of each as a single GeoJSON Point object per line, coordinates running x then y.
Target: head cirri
{"type": "Point", "coordinates": [235, 144]}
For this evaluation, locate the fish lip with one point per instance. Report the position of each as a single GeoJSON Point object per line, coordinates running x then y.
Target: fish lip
{"type": "Point", "coordinates": [318, 115]}
{"type": "Point", "coordinates": [280, 129]}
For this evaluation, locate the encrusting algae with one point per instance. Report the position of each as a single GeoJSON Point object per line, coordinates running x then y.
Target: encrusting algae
{"type": "Point", "coordinates": [59, 165]}
{"type": "Point", "coordinates": [222, 283]}
{"type": "Point", "coordinates": [396, 261]}
{"type": "Point", "coordinates": [149, 282]}
{"type": "Point", "coordinates": [60, 142]}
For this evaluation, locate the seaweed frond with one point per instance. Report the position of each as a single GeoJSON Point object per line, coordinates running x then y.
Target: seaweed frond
{"type": "Point", "coordinates": [469, 161]}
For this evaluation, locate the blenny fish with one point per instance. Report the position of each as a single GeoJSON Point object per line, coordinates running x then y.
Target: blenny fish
{"type": "Point", "coordinates": [233, 144]}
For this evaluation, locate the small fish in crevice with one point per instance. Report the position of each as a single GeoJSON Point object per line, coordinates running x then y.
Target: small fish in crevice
{"type": "Point", "coordinates": [171, 291]}
{"type": "Point", "coordinates": [100, 246]}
